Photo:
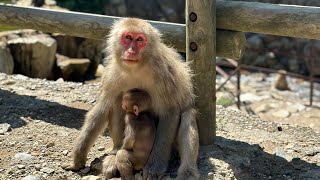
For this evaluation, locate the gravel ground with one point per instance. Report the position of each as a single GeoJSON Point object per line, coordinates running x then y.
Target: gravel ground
{"type": "Point", "coordinates": [40, 120]}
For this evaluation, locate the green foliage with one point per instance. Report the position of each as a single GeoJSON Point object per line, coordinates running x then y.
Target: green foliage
{"type": "Point", "coordinates": [93, 6]}
{"type": "Point", "coordinates": [6, 28]}
{"type": "Point", "coordinates": [224, 101]}
{"type": "Point", "coordinates": [6, 1]}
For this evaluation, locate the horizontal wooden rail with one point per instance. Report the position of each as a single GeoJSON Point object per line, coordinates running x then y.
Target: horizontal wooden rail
{"type": "Point", "coordinates": [276, 19]}
{"type": "Point", "coordinates": [229, 44]}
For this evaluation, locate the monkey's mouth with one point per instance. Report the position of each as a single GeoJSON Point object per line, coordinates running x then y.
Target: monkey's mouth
{"type": "Point", "coordinates": [131, 61]}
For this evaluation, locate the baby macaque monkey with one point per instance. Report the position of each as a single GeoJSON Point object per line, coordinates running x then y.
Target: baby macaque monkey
{"type": "Point", "coordinates": [139, 132]}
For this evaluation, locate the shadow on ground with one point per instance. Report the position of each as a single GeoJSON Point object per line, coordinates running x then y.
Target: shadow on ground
{"type": "Point", "coordinates": [13, 107]}
{"type": "Point", "coordinates": [246, 161]}
{"type": "Point", "coordinates": [250, 162]}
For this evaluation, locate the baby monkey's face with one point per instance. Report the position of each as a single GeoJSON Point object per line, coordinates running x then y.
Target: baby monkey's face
{"type": "Point", "coordinates": [130, 106]}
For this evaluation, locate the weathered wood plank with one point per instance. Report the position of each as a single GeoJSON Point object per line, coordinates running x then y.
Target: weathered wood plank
{"type": "Point", "coordinates": [201, 45]}
{"type": "Point", "coordinates": [230, 44]}
{"type": "Point", "coordinates": [276, 19]}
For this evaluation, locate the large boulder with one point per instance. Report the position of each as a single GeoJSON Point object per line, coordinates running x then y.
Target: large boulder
{"type": "Point", "coordinates": [76, 47]}
{"type": "Point", "coordinates": [34, 55]}
{"type": "Point", "coordinates": [72, 69]}
{"type": "Point", "coordinates": [6, 60]}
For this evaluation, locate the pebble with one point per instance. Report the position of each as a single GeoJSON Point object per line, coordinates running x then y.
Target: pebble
{"type": "Point", "coordinates": [50, 144]}
{"type": "Point", "coordinates": [20, 77]}
{"type": "Point", "coordinates": [101, 148]}
{"type": "Point", "coordinates": [281, 153]}
{"type": "Point", "coordinates": [60, 80]}
{"type": "Point", "coordinates": [296, 107]}
{"type": "Point", "coordinates": [20, 166]}
{"type": "Point", "coordinates": [281, 114]}
{"type": "Point", "coordinates": [91, 178]}
{"type": "Point", "coordinates": [31, 177]}
{"type": "Point", "coordinates": [65, 152]}
{"type": "Point", "coordinates": [37, 167]}
{"type": "Point", "coordinates": [312, 152]}
{"type": "Point", "coordinates": [24, 156]}
{"type": "Point", "coordinates": [4, 127]}
{"type": "Point", "coordinates": [85, 170]}
{"type": "Point", "coordinates": [47, 170]}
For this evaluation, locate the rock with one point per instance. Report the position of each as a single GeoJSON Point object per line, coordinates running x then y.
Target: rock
{"type": "Point", "coordinates": [60, 80]}
{"type": "Point", "coordinates": [76, 47]}
{"type": "Point", "coordinates": [6, 60]}
{"type": "Point", "coordinates": [281, 114]}
{"type": "Point", "coordinates": [34, 56]}
{"type": "Point", "coordinates": [85, 170]}
{"type": "Point", "coordinates": [37, 167]}
{"type": "Point", "coordinates": [72, 69]}
{"type": "Point", "coordinates": [67, 45]}
{"type": "Point", "coordinates": [91, 177]}
{"type": "Point", "coordinates": [99, 71]}
{"type": "Point", "coordinates": [295, 107]}
{"type": "Point", "coordinates": [31, 177]}
{"type": "Point", "coordinates": [262, 108]}
{"type": "Point", "coordinates": [65, 152]}
{"type": "Point", "coordinates": [101, 148]}
{"type": "Point", "coordinates": [47, 170]}
{"type": "Point", "coordinates": [281, 153]}
{"type": "Point", "coordinates": [21, 77]}
{"type": "Point", "coordinates": [312, 151]}
{"type": "Point", "coordinates": [96, 165]}
{"type": "Point", "coordinates": [91, 49]}
{"type": "Point", "coordinates": [4, 127]}
{"type": "Point", "coordinates": [24, 156]}
{"type": "Point", "coordinates": [50, 144]}
{"type": "Point", "coordinates": [21, 166]}
{"type": "Point", "coordinates": [281, 81]}
{"type": "Point", "coordinates": [250, 97]}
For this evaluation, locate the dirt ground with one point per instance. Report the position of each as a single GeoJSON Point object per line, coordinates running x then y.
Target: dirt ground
{"type": "Point", "coordinates": [40, 120]}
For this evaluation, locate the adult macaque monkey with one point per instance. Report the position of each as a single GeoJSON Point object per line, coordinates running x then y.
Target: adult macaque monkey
{"type": "Point", "coordinates": [139, 133]}
{"type": "Point", "coordinates": [138, 58]}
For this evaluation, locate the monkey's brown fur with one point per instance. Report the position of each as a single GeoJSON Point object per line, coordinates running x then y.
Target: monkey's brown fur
{"type": "Point", "coordinates": [162, 73]}
{"type": "Point", "coordinates": [139, 133]}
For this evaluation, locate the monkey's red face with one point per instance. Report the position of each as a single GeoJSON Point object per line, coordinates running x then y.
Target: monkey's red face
{"type": "Point", "coordinates": [133, 44]}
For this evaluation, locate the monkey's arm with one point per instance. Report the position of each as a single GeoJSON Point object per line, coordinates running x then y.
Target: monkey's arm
{"type": "Point", "coordinates": [128, 143]}
{"type": "Point", "coordinates": [96, 121]}
{"type": "Point", "coordinates": [160, 154]}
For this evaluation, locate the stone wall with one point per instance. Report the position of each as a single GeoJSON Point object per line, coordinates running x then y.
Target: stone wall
{"type": "Point", "coordinates": [50, 56]}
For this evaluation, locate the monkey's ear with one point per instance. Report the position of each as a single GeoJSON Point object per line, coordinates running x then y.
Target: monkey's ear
{"type": "Point", "coordinates": [136, 110]}
{"type": "Point", "coordinates": [124, 107]}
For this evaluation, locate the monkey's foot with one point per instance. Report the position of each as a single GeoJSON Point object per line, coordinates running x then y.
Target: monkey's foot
{"type": "Point", "coordinates": [188, 174]}
{"type": "Point", "coordinates": [109, 167]}
{"type": "Point", "coordinates": [72, 167]}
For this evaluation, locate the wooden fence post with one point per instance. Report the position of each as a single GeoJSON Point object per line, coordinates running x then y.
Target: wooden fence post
{"type": "Point", "coordinates": [201, 53]}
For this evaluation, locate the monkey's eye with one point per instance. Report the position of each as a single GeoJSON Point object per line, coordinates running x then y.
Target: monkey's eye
{"type": "Point", "coordinates": [140, 39]}
{"type": "Point", "coordinates": [128, 37]}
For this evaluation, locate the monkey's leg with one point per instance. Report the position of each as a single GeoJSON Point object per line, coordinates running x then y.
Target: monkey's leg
{"type": "Point", "coordinates": [160, 154]}
{"type": "Point", "coordinates": [188, 146]}
{"type": "Point", "coordinates": [117, 125]}
{"type": "Point", "coordinates": [124, 160]}
{"type": "Point", "coordinates": [95, 122]}
{"type": "Point", "coordinates": [116, 129]}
